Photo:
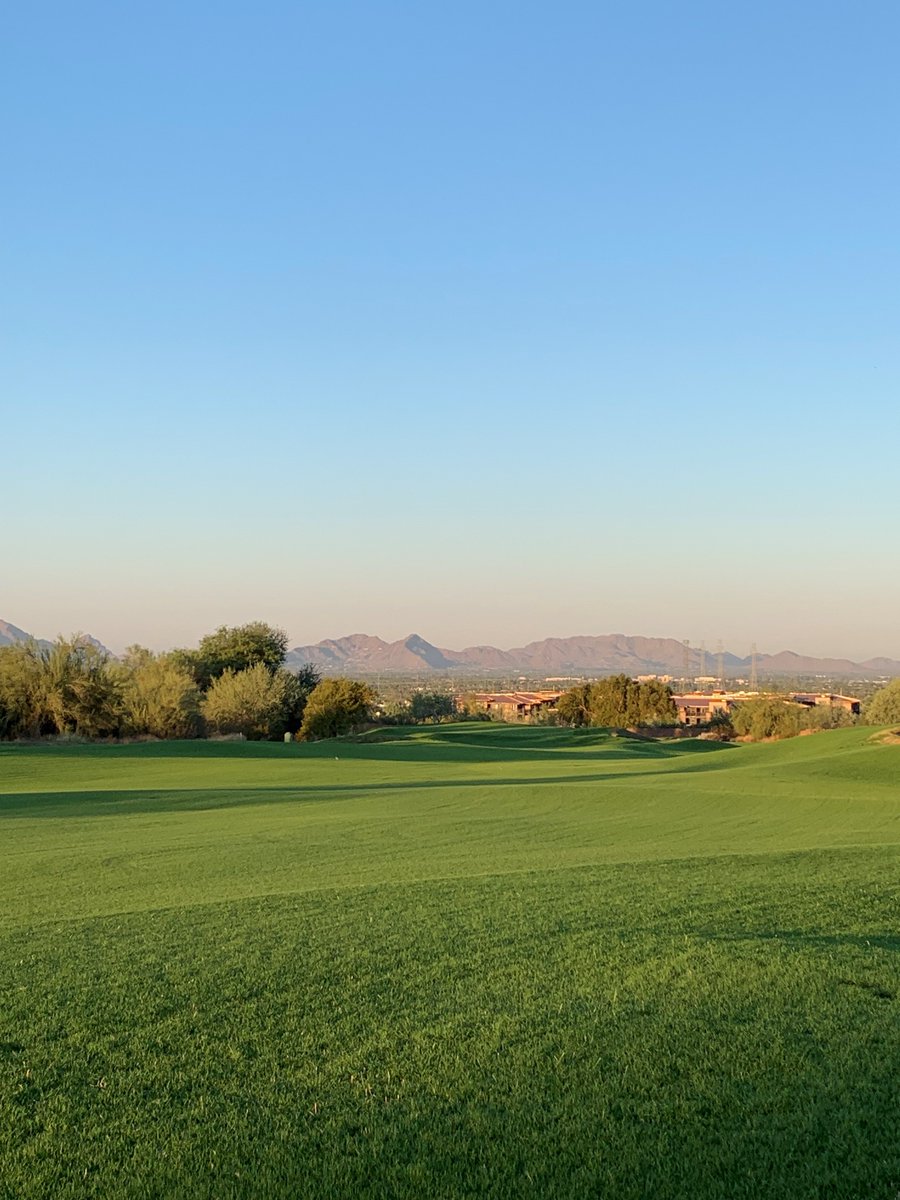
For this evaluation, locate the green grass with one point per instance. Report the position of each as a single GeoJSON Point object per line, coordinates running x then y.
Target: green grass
{"type": "Point", "coordinates": [465, 961]}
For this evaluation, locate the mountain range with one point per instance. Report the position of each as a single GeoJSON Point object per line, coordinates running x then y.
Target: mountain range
{"type": "Point", "coordinates": [362, 654]}
{"type": "Point", "coordinates": [10, 634]}
{"type": "Point", "coordinates": [608, 654]}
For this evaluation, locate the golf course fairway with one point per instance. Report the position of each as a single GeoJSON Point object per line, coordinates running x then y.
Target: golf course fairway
{"type": "Point", "coordinates": [469, 960]}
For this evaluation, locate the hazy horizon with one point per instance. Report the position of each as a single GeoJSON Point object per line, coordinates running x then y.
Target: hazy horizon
{"type": "Point", "coordinates": [501, 642]}
{"type": "Point", "coordinates": [484, 322]}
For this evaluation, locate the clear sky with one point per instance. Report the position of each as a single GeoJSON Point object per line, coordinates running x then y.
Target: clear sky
{"type": "Point", "coordinates": [492, 321]}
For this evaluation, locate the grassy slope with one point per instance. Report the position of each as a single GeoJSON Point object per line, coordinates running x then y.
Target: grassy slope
{"type": "Point", "coordinates": [469, 961]}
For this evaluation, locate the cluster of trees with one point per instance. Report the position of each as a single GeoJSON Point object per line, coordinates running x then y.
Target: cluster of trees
{"type": "Point", "coordinates": [431, 706]}
{"type": "Point", "coordinates": [420, 708]}
{"type": "Point", "coordinates": [234, 682]}
{"type": "Point", "coordinates": [773, 718]}
{"type": "Point", "coordinates": [619, 701]}
{"type": "Point", "coordinates": [884, 707]}
{"type": "Point", "coordinates": [68, 687]}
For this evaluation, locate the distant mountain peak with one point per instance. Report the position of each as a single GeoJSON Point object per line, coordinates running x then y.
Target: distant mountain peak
{"type": "Point", "coordinates": [11, 634]}
{"type": "Point", "coordinates": [582, 654]}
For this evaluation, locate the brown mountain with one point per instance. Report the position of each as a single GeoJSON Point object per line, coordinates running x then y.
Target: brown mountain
{"type": "Point", "coordinates": [10, 634]}
{"type": "Point", "coordinates": [880, 666]}
{"type": "Point", "coordinates": [786, 662]}
{"type": "Point", "coordinates": [610, 653]}
{"type": "Point", "coordinates": [371, 655]}
{"type": "Point", "coordinates": [607, 654]}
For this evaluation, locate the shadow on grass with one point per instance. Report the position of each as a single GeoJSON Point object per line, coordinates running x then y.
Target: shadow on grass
{"type": "Point", "coordinates": [126, 801]}
{"type": "Point", "coordinates": [804, 938]}
{"type": "Point", "coordinates": [723, 1140]}
{"type": "Point", "coordinates": [462, 743]}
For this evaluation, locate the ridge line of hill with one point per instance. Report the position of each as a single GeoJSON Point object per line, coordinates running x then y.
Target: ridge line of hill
{"type": "Point", "coordinates": [600, 654]}
{"type": "Point", "coordinates": [604, 654]}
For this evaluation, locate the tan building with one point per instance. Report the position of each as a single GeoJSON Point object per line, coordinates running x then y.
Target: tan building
{"type": "Point", "coordinates": [513, 706]}
{"type": "Point", "coordinates": [697, 708]}
{"type": "Point", "coordinates": [850, 704]}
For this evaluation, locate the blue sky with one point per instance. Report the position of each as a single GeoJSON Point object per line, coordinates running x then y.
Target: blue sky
{"type": "Point", "coordinates": [494, 321]}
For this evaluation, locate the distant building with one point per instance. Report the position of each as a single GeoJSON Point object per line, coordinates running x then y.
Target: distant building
{"type": "Point", "coordinates": [850, 704]}
{"type": "Point", "coordinates": [513, 706]}
{"type": "Point", "coordinates": [697, 708]}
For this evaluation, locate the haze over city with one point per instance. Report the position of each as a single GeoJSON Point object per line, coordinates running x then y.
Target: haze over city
{"type": "Point", "coordinates": [484, 322]}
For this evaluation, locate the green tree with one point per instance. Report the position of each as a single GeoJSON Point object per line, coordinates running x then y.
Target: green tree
{"type": "Point", "coordinates": [767, 718]}
{"type": "Point", "coordinates": [614, 701]}
{"type": "Point", "coordinates": [618, 701]}
{"type": "Point", "coordinates": [159, 696]}
{"type": "Point", "coordinates": [657, 705]}
{"type": "Point", "coordinates": [250, 702]}
{"type": "Point", "coordinates": [431, 706]}
{"type": "Point", "coordinates": [137, 656]}
{"type": "Point", "coordinates": [827, 716]}
{"type": "Point", "coordinates": [82, 692]}
{"type": "Point", "coordinates": [235, 649]}
{"type": "Point", "coordinates": [720, 725]}
{"type": "Point", "coordinates": [298, 687]}
{"type": "Point", "coordinates": [884, 707]}
{"type": "Point", "coordinates": [574, 706]}
{"type": "Point", "coordinates": [23, 709]}
{"type": "Point", "coordinates": [336, 706]}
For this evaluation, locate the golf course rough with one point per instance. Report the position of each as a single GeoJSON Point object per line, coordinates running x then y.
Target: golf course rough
{"type": "Point", "coordinates": [460, 961]}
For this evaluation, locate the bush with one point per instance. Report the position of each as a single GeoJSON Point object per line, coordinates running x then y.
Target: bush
{"type": "Point", "coordinates": [23, 711]}
{"type": "Point", "coordinates": [335, 707]}
{"type": "Point", "coordinates": [250, 702]}
{"type": "Point", "coordinates": [431, 706]}
{"type": "Point", "coordinates": [160, 697]}
{"type": "Point", "coordinates": [771, 718]}
{"type": "Point", "coordinates": [827, 716]}
{"type": "Point", "coordinates": [763, 718]}
{"type": "Point", "coordinates": [720, 727]}
{"type": "Point", "coordinates": [82, 691]}
{"type": "Point", "coordinates": [884, 707]}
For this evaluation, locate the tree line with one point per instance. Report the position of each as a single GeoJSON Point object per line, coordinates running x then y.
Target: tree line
{"type": "Point", "coordinates": [234, 682]}
{"type": "Point", "coordinates": [618, 701]}
{"type": "Point", "coordinates": [769, 717]}
{"type": "Point", "coordinates": [626, 703]}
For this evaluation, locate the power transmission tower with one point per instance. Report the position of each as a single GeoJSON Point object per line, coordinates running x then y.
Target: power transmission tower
{"type": "Point", "coordinates": [687, 659]}
{"type": "Point", "coordinates": [720, 663]}
{"type": "Point", "coordinates": [702, 670]}
{"type": "Point", "coordinates": [754, 674]}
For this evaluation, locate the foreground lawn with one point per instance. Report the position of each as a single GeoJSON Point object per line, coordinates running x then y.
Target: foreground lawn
{"type": "Point", "coordinates": [472, 961]}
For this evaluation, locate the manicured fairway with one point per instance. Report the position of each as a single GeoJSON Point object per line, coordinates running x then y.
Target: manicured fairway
{"type": "Point", "coordinates": [468, 961]}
